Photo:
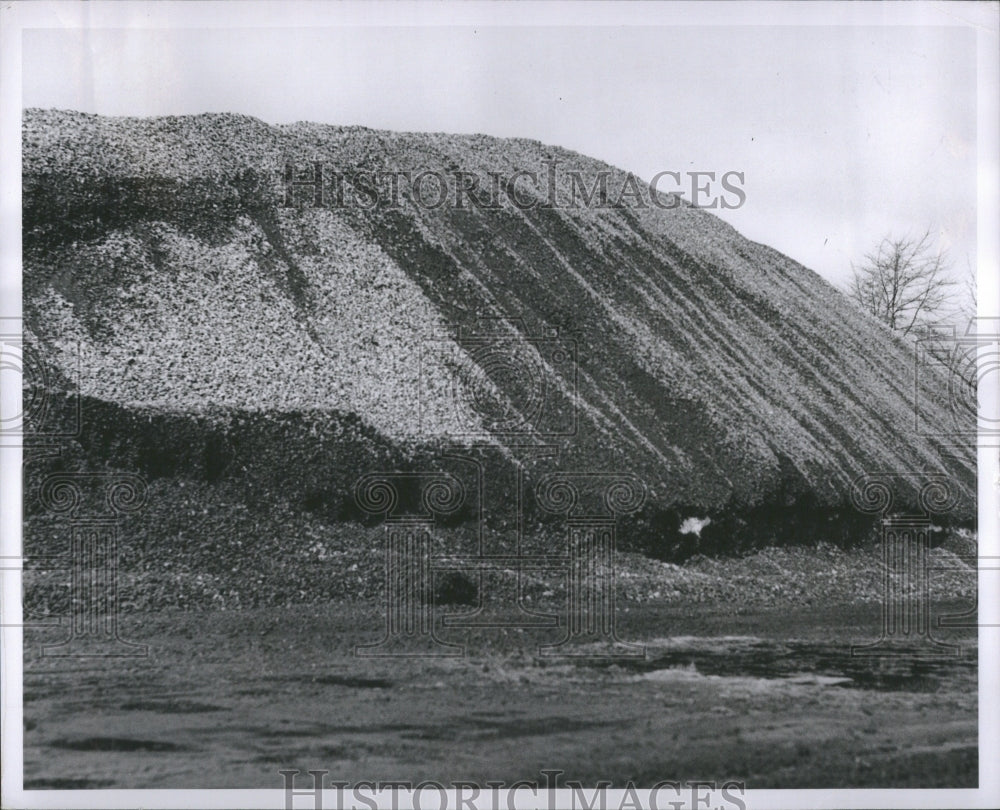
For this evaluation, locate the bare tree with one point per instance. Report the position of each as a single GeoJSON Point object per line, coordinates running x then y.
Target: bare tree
{"type": "Point", "coordinates": [967, 308]}
{"type": "Point", "coordinates": [903, 282]}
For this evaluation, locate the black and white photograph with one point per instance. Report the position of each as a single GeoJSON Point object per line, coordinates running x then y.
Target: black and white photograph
{"type": "Point", "coordinates": [559, 405]}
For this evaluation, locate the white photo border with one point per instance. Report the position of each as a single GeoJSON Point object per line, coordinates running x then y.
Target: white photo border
{"type": "Point", "coordinates": [17, 17]}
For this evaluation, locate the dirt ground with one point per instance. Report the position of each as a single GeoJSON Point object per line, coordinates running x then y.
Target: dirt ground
{"type": "Point", "coordinates": [227, 699]}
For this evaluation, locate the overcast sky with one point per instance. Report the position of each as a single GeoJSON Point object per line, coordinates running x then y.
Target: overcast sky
{"type": "Point", "coordinates": [844, 134]}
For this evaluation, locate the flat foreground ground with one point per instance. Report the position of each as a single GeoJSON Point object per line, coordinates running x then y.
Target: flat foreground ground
{"type": "Point", "coordinates": [770, 697]}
